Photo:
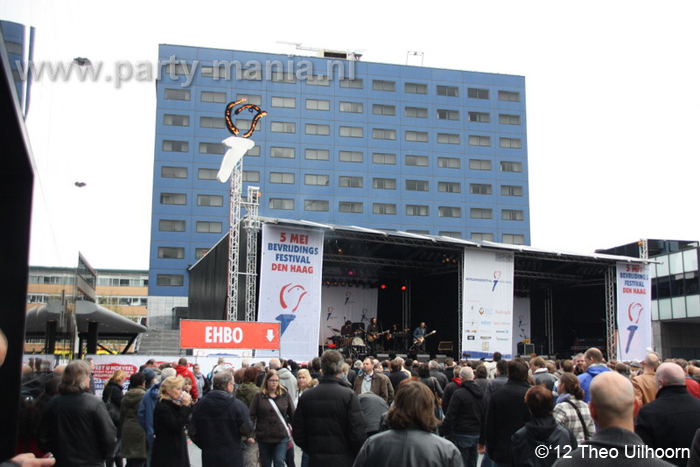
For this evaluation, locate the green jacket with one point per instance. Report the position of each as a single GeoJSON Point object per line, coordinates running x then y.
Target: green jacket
{"type": "Point", "coordinates": [133, 436]}
{"type": "Point", "coordinates": [245, 393]}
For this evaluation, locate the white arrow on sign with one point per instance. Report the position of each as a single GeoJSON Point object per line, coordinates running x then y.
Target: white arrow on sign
{"type": "Point", "coordinates": [270, 335]}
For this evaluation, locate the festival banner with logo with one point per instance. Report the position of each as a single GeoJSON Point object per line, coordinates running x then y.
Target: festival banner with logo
{"type": "Point", "coordinates": [340, 304]}
{"type": "Point", "coordinates": [290, 287]}
{"type": "Point", "coordinates": [633, 310]}
{"type": "Point", "coordinates": [487, 309]}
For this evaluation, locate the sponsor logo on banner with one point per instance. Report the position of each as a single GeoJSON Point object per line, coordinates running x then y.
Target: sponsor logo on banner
{"type": "Point", "coordinates": [470, 337]}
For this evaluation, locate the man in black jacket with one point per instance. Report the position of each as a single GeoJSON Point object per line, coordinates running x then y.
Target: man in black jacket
{"type": "Point", "coordinates": [219, 421]}
{"type": "Point", "coordinates": [462, 423]}
{"type": "Point", "coordinates": [328, 422]}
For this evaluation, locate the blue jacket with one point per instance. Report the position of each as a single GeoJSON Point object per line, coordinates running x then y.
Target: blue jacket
{"type": "Point", "coordinates": [146, 409]}
{"type": "Point", "coordinates": [585, 379]}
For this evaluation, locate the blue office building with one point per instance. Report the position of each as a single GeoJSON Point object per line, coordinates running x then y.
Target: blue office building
{"type": "Point", "coordinates": [388, 147]}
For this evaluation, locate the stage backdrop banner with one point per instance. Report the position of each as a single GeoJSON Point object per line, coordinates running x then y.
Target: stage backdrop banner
{"type": "Point", "coordinates": [340, 304]}
{"type": "Point", "coordinates": [290, 287]}
{"type": "Point", "coordinates": [487, 311]}
{"type": "Point", "coordinates": [633, 310]}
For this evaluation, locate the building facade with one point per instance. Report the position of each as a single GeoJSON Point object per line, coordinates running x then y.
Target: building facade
{"type": "Point", "coordinates": [19, 44]}
{"type": "Point", "coordinates": [388, 147]}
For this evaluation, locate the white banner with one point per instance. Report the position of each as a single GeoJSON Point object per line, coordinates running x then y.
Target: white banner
{"type": "Point", "coordinates": [290, 287]}
{"type": "Point", "coordinates": [487, 323]}
{"type": "Point", "coordinates": [340, 304]}
{"type": "Point", "coordinates": [633, 310]}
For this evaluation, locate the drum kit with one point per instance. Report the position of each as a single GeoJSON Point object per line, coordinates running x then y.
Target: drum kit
{"type": "Point", "coordinates": [351, 346]}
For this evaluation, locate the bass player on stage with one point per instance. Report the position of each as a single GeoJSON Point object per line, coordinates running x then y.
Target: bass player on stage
{"type": "Point", "coordinates": [419, 335]}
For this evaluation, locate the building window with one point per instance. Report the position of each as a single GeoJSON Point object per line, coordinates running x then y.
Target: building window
{"type": "Point", "coordinates": [482, 236]}
{"type": "Point", "coordinates": [243, 124]}
{"type": "Point", "coordinates": [212, 122]}
{"type": "Point", "coordinates": [351, 132]}
{"type": "Point", "coordinates": [253, 152]}
{"type": "Point", "coordinates": [480, 117]}
{"type": "Point", "coordinates": [318, 80]}
{"type": "Point", "coordinates": [165, 252]}
{"type": "Point", "coordinates": [180, 69]}
{"type": "Point", "coordinates": [352, 83]}
{"type": "Point", "coordinates": [318, 104]}
{"type": "Point", "coordinates": [175, 146]}
{"type": "Point", "coordinates": [316, 180]}
{"type": "Point", "coordinates": [282, 153]}
{"type": "Point", "coordinates": [317, 154]}
{"type": "Point", "coordinates": [248, 74]}
{"type": "Point", "coordinates": [509, 96]}
{"type": "Point", "coordinates": [511, 166]}
{"type": "Point", "coordinates": [449, 211]}
{"type": "Point", "coordinates": [479, 164]}
{"type": "Point", "coordinates": [281, 77]}
{"type": "Point", "coordinates": [445, 114]}
{"type": "Point", "coordinates": [417, 210]}
{"type": "Point", "coordinates": [384, 208]}
{"type": "Point", "coordinates": [416, 112]}
{"type": "Point", "coordinates": [481, 213]}
{"type": "Point", "coordinates": [350, 182]}
{"type": "Point", "coordinates": [512, 143]}
{"type": "Point", "coordinates": [382, 109]}
{"type": "Point", "coordinates": [417, 185]}
{"type": "Point", "coordinates": [215, 97]}
{"type": "Point", "coordinates": [381, 85]}
{"type": "Point", "coordinates": [475, 140]}
{"type": "Point", "coordinates": [514, 239]}
{"type": "Point", "coordinates": [177, 94]}
{"type": "Point", "coordinates": [449, 91]}
{"type": "Point", "coordinates": [179, 199]}
{"type": "Point", "coordinates": [384, 183]}
{"type": "Point", "coordinates": [448, 163]}
{"type": "Point", "coordinates": [176, 120]}
{"type": "Point", "coordinates": [251, 176]}
{"type": "Point", "coordinates": [449, 187]}
{"type": "Point", "coordinates": [282, 204]}
{"type": "Point", "coordinates": [350, 156]}
{"type": "Point", "coordinates": [170, 280]}
{"type": "Point", "coordinates": [284, 102]}
{"type": "Point", "coordinates": [450, 234]}
{"type": "Point", "coordinates": [220, 72]}
{"type": "Point", "coordinates": [417, 136]}
{"type": "Point", "coordinates": [416, 88]}
{"type": "Point", "coordinates": [283, 178]}
{"type": "Point", "coordinates": [254, 99]}
{"type": "Point", "coordinates": [476, 93]}
{"type": "Point", "coordinates": [210, 200]}
{"type": "Point", "coordinates": [480, 189]}
{"type": "Point", "coordinates": [383, 133]}
{"type": "Point", "coordinates": [417, 161]}
{"type": "Point", "coordinates": [316, 129]}
{"type": "Point", "coordinates": [512, 215]}
{"type": "Point", "coordinates": [200, 252]}
{"type": "Point", "coordinates": [173, 172]}
{"type": "Point", "coordinates": [351, 107]}
{"type": "Point", "coordinates": [448, 138]}
{"type": "Point", "coordinates": [169, 225]}
{"type": "Point", "coordinates": [419, 232]}
{"type": "Point", "coordinates": [283, 127]}
{"type": "Point", "coordinates": [350, 206]}
{"type": "Point", "coordinates": [382, 158]}
{"type": "Point", "coordinates": [316, 205]}
{"type": "Point", "coordinates": [211, 148]}
{"type": "Point", "coordinates": [509, 119]}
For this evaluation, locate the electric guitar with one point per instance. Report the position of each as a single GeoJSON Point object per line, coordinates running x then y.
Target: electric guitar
{"type": "Point", "coordinates": [420, 340]}
{"type": "Point", "coordinates": [371, 337]}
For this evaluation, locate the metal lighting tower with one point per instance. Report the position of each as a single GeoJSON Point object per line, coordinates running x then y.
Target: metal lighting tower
{"type": "Point", "coordinates": [234, 240]}
{"type": "Point", "coordinates": [252, 226]}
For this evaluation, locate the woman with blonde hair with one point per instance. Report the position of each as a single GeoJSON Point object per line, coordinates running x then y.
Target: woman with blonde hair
{"type": "Point", "coordinates": [169, 421]}
{"type": "Point", "coordinates": [271, 411]}
{"type": "Point", "coordinates": [113, 394]}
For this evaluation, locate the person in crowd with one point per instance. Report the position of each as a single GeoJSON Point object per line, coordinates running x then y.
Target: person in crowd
{"type": "Point", "coordinates": [579, 364]}
{"type": "Point", "coordinates": [352, 373]}
{"type": "Point", "coordinates": [541, 429]}
{"type": "Point", "coordinates": [436, 373]}
{"type": "Point", "coordinates": [328, 423]}
{"type": "Point", "coordinates": [623, 369]}
{"type": "Point", "coordinates": [594, 366]}
{"type": "Point", "coordinates": [374, 381]}
{"type": "Point", "coordinates": [203, 383]}
{"type": "Point", "coordinates": [497, 382]}
{"type": "Point", "coordinates": [396, 375]}
{"type": "Point", "coordinates": [187, 387]}
{"type": "Point", "coordinates": [219, 421]}
{"type": "Point", "coordinates": [451, 387]}
{"type": "Point", "coordinates": [464, 417]}
{"type": "Point", "coordinates": [170, 419]}
{"type": "Point", "coordinates": [411, 440]}
{"type": "Point", "coordinates": [570, 411]}
{"type": "Point", "coordinates": [425, 378]}
{"type": "Point", "coordinates": [541, 375]}
{"type": "Point", "coordinates": [133, 436]}
{"type": "Point", "coordinates": [287, 379]}
{"type": "Point", "coordinates": [183, 370]}
{"type": "Point", "coordinates": [507, 413]}
{"type": "Point", "coordinates": [151, 377]}
{"type": "Point", "coordinates": [76, 427]}
{"type": "Point", "coordinates": [481, 374]}
{"type": "Point", "coordinates": [635, 368]}
{"type": "Point", "coordinates": [315, 368]}
{"type": "Point", "coordinates": [221, 365]}
{"type": "Point", "coordinates": [670, 420]}
{"type": "Point", "coordinates": [304, 382]}
{"type": "Point", "coordinates": [148, 406]}
{"type": "Point", "coordinates": [449, 368]}
{"type": "Point", "coordinates": [272, 410]}
{"type": "Point", "coordinates": [373, 407]}
{"type": "Point", "coordinates": [245, 393]}
{"type": "Point", "coordinates": [691, 385]}
{"type": "Point", "coordinates": [491, 366]}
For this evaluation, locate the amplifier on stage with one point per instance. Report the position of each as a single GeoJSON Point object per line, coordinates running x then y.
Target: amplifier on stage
{"type": "Point", "coordinates": [525, 349]}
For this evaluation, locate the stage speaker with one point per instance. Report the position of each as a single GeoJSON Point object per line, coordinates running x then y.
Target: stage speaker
{"type": "Point", "coordinates": [529, 349]}
{"type": "Point", "coordinates": [402, 355]}
{"type": "Point", "coordinates": [440, 358]}
{"type": "Point", "coordinates": [423, 357]}
{"type": "Point", "coordinates": [382, 356]}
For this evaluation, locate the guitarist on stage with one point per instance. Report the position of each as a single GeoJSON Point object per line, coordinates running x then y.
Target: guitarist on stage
{"type": "Point", "coordinates": [419, 335]}
{"type": "Point", "coordinates": [372, 334]}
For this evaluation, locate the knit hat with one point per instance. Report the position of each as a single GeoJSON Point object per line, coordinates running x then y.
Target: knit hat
{"type": "Point", "coordinates": [150, 374]}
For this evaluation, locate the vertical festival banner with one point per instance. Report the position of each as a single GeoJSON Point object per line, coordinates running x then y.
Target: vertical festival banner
{"type": "Point", "coordinates": [487, 308]}
{"type": "Point", "coordinates": [633, 310]}
{"type": "Point", "coordinates": [340, 304]}
{"type": "Point", "coordinates": [290, 287]}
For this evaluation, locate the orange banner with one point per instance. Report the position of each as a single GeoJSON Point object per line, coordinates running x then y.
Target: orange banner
{"type": "Point", "coordinates": [195, 334]}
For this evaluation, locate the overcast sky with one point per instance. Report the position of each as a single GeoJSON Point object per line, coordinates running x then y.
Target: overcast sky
{"type": "Point", "coordinates": [612, 105]}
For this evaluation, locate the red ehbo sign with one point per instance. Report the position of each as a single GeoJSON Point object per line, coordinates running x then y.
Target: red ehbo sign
{"type": "Point", "coordinates": [195, 334]}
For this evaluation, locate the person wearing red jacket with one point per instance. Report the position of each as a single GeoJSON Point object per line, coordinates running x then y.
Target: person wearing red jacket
{"type": "Point", "coordinates": [183, 370]}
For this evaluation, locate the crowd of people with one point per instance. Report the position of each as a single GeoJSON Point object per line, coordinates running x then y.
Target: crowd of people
{"type": "Point", "coordinates": [340, 412]}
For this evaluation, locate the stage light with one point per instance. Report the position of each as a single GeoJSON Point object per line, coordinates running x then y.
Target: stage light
{"type": "Point", "coordinates": [351, 272]}
{"type": "Point", "coordinates": [335, 283]}
{"type": "Point", "coordinates": [403, 287]}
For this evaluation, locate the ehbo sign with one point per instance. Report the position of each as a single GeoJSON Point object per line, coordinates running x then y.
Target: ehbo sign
{"type": "Point", "coordinates": [195, 334]}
